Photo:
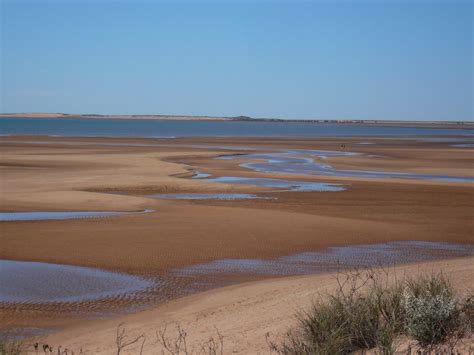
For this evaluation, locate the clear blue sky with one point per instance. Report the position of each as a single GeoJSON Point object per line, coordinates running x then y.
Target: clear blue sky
{"type": "Point", "coordinates": [291, 59]}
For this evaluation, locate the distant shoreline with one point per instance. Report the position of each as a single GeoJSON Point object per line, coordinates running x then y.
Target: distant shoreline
{"type": "Point", "coordinates": [388, 123]}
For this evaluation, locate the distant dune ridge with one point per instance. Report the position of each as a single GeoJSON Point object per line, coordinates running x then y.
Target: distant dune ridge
{"type": "Point", "coordinates": [98, 116]}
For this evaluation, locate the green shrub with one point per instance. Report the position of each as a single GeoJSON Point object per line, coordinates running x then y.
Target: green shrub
{"type": "Point", "coordinates": [361, 314]}
{"type": "Point", "coordinates": [369, 312]}
{"type": "Point", "coordinates": [433, 312]}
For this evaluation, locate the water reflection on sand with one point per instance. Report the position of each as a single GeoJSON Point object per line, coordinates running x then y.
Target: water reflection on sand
{"type": "Point", "coordinates": [333, 259]}
{"type": "Point", "coordinates": [38, 282]}
{"type": "Point", "coordinates": [60, 215]}
{"type": "Point", "coordinates": [303, 162]}
{"type": "Point", "coordinates": [44, 283]}
{"type": "Point", "coordinates": [215, 196]}
{"type": "Point", "coordinates": [282, 184]}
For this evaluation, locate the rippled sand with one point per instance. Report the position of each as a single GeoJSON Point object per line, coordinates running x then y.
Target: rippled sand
{"type": "Point", "coordinates": [40, 283]}
{"type": "Point", "coordinates": [186, 246]}
{"type": "Point", "coordinates": [55, 289]}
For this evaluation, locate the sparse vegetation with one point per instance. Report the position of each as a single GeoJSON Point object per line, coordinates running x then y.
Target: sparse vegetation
{"type": "Point", "coordinates": [177, 344]}
{"type": "Point", "coordinates": [368, 312]}
{"type": "Point", "coordinates": [168, 341]}
{"type": "Point", "coordinates": [12, 347]}
{"type": "Point", "coordinates": [122, 341]}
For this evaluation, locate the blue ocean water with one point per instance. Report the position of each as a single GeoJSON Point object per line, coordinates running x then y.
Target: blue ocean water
{"type": "Point", "coordinates": [164, 129]}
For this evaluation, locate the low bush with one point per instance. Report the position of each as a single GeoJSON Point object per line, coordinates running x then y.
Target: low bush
{"type": "Point", "coordinates": [368, 312]}
{"type": "Point", "coordinates": [433, 312]}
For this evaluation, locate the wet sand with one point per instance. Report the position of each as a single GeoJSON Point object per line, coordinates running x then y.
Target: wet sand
{"type": "Point", "coordinates": [243, 313]}
{"type": "Point", "coordinates": [99, 174]}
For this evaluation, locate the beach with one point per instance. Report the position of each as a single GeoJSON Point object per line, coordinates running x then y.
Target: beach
{"type": "Point", "coordinates": [248, 177]}
{"type": "Point", "coordinates": [158, 238]}
{"type": "Point", "coordinates": [244, 315]}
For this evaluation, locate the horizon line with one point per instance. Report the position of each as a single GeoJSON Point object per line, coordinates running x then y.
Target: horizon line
{"type": "Point", "coordinates": [221, 117]}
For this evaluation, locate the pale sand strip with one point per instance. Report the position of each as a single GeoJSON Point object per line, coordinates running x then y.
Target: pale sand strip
{"type": "Point", "coordinates": [243, 313]}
